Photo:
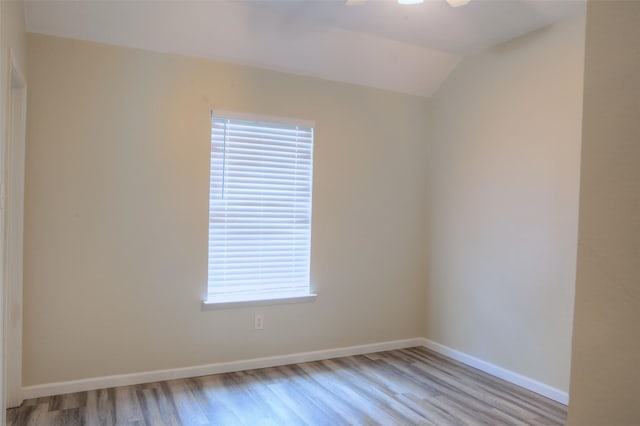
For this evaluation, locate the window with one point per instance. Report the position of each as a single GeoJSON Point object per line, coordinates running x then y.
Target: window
{"type": "Point", "coordinates": [259, 208]}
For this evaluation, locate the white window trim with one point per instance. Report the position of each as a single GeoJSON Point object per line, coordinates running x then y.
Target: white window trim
{"type": "Point", "coordinates": [282, 300]}
{"type": "Point", "coordinates": [265, 118]}
{"type": "Point", "coordinates": [273, 299]}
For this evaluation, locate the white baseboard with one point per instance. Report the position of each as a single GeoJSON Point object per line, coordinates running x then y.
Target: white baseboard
{"type": "Point", "coordinates": [502, 373]}
{"type": "Point", "coordinates": [82, 385]}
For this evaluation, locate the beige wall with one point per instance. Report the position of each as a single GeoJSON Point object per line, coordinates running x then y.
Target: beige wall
{"type": "Point", "coordinates": [605, 373]}
{"type": "Point", "coordinates": [13, 52]}
{"type": "Point", "coordinates": [504, 177]}
{"type": "Point", "coordinates": [116, 213]}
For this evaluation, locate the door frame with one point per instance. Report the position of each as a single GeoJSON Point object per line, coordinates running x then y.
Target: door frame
{"type": "Point", "coordinates": [12, 195]}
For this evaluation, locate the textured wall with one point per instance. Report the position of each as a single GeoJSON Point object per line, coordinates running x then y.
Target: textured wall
{"type": "Point", "coordinates": [116, 213]}
{"type": "Point", "coordinates": [605, 378]}
{"type": "Point", "coordinates": [503, 215]}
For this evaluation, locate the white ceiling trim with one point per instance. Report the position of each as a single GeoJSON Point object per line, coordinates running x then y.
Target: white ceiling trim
{"type": "Point", "coordinates": [247, 35]}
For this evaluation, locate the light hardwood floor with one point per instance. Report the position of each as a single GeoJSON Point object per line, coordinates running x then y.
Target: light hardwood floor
{"type": "Point", "coordinates": [404, 387]}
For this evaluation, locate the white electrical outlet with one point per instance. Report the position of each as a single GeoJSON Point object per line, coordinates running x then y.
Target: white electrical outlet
{"type": "Point", "coordinates": [258, 322]}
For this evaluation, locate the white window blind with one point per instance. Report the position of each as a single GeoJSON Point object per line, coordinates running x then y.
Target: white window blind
{"type": "Point", "coordinates": [259, 210]}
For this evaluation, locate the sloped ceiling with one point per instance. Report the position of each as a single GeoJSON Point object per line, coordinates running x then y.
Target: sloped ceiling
{"type": "Point", "coordinates": [408, 49]}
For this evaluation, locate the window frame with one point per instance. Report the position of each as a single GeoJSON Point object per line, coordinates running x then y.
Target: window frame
{"type": "Point", "coordinates": [265, 299]}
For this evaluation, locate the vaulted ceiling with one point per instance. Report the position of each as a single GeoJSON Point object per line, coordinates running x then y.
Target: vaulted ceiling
{"type": "Point", "coordinates": [379, 43]}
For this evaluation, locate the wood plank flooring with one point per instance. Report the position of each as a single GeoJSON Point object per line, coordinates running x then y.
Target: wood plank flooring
{"type": "Point", "coordinates": [403, 387]}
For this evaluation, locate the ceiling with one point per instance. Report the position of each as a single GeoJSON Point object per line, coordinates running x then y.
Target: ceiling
{"type": "Point", "coordinates": [409, 49]}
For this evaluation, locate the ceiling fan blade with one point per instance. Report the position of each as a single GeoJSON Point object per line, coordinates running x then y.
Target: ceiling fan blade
{"type": "Point", "coordinates": [452, 3]}
{"type": "Point", "coordinates": [355, 2]}
{"type": "Point", "coordinates": [457, 3]}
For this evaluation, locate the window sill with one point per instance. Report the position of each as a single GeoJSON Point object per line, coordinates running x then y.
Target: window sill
{"type": "Point", "coordinates": [280, 300]}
